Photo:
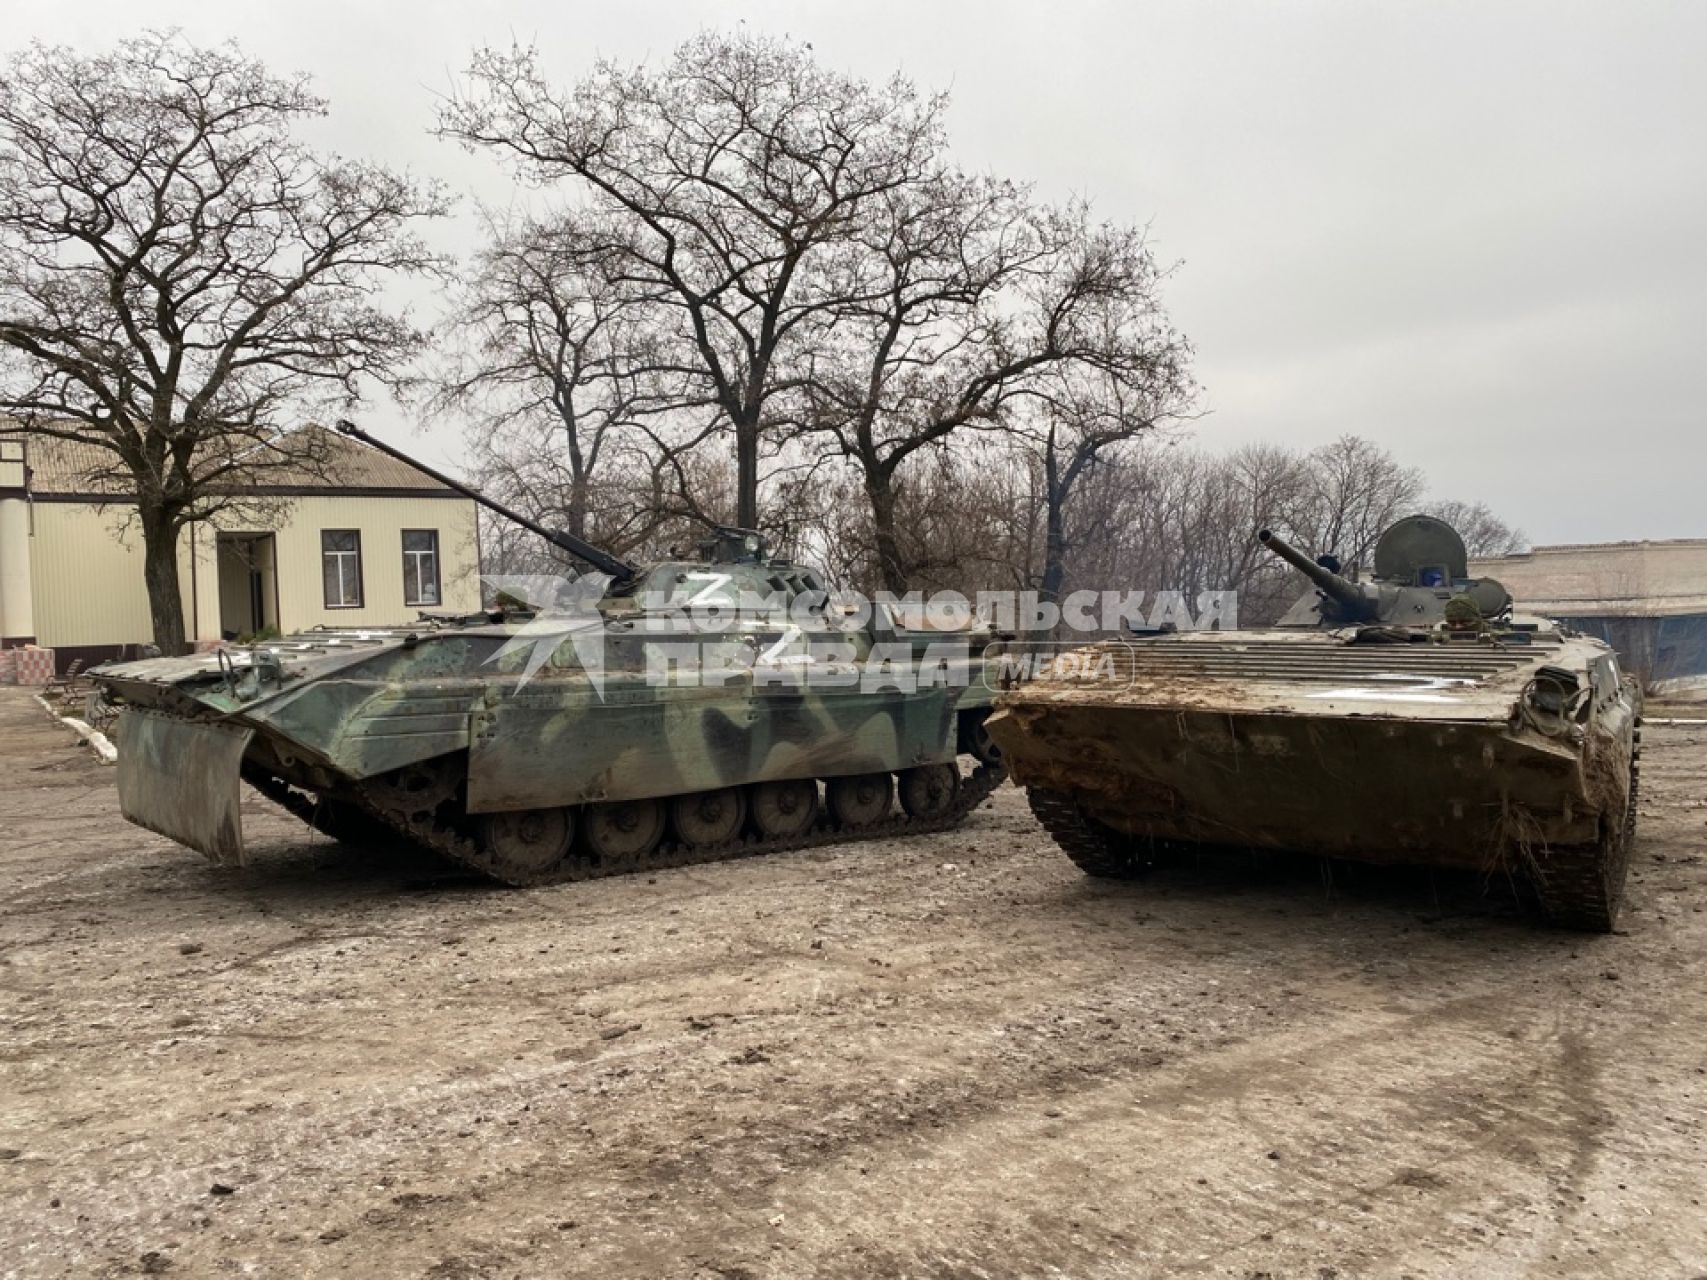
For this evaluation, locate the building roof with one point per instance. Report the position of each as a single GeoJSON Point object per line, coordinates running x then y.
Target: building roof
{"type": "Point", "coordinates": [1606, 579]}
{"type": "Point", "coordinates": [69, 469]}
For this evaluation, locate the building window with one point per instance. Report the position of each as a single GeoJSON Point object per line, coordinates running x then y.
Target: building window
{"type": "Point", "coordinates": [341, 567]}
{"type": "Point", "coordinates": [420, 566]}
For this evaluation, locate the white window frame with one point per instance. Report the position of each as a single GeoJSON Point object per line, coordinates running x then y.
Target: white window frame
{"type": "Point", "coordinates": [346, 561]}
{"type": "Point", "coordinates": [412, 566]}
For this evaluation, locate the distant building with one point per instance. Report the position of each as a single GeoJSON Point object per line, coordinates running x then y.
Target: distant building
{"type": "Point", "coordinates": [1647, 599]}
{"type": "Point", "coordinates": [365, 540]}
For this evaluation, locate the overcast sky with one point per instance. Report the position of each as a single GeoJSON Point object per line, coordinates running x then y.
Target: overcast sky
{"type": "Point", "coordinates": [1471, 231]}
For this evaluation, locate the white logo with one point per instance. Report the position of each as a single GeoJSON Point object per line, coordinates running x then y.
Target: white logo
{"type": "Point", "coordinates": [563, 609]}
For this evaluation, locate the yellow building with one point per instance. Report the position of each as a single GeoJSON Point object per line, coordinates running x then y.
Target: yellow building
{"type": "Point", "coordinates": [365, 540]}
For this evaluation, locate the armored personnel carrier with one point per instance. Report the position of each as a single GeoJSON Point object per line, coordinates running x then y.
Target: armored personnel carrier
{"type": "Point", "coordinates": [683, 711]}
{"type": "Point", "coordinates": [1411, 718]}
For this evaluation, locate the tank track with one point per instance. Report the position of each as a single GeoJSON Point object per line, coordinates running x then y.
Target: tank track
{"type": "Point", "coordinates": [436, 832]}
{"type": "Point", "coordinates": [1096, 849]}
{"type": "Point", "coordinates": [1572, 886]}
{"type": "Point", "coordinates": [343, 822]}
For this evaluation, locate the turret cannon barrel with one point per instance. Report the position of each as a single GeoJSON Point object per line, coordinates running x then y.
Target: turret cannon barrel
{"type": "Point", "coordinates": [621, 570]}
{"type": "Point", "coordinates": [1350, 598]}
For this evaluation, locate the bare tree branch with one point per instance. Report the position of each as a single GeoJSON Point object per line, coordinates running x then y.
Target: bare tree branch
{"type": "Point", "coordinates": [740, 166]}
{"type": "Point", "coordinates": [180, 279]}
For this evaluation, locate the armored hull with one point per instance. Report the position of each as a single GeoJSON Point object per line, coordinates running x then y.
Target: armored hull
{"type": "Point", "coordinates": [1494, 748]}
{"type": "Point", "coordinates": [652, 757]}
{"type": "Point", "coordinates": [683, 711]}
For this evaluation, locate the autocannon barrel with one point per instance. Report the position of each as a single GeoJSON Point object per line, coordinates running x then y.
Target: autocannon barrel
{"type": "Point", "coordinates": [1344, 593]}
{"type": "Point", "coordinates": [596, 556]}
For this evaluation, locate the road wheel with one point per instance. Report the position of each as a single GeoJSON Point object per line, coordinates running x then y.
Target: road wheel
{"type": "Point", "coordinates": [532, 841]}
{"type": "Point", "coordinates": [860, 800]}
{"type": "Point", "coordinates": [784, 810]}
{"type": "Point", "coordinates": [929, 791]}
{"type": "Point", "coordinates": [623, 830]}
{"type": "Point", "coordinates": [708, 818]}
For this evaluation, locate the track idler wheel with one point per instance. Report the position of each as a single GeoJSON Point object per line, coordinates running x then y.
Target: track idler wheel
{"type": "Point", "coordinates": [929, 791]}
{"type": "Point", "coordinates": [532, 841]}
{"type": "Point", "coordinates": [708, 818]}
{"type": "Point", "coordinates": [623, 830]}
{"type": "Point", "coordinates": [785, 810]}
{"type": "Point", "coordinates": [860, 800]}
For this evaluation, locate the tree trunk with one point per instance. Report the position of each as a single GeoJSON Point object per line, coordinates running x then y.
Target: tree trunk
{"type": "Point", "coordinates": [160, 575]}
{"type": "Point", "coordinates": [578, 500]}
{"type": "Point", "coordinates": [579, 487]}
{"type": "Point", "coordinates": [1055, 525]}
{"type": "Point", "coordinates": [747, 475]}
{"type": "Point", "coordinates": [891, 566]}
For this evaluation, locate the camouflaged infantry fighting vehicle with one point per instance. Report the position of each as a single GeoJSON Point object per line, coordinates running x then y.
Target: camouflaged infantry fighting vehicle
{"type": "Point", "coordinates": [1412, 718]}
{"type": "Point", "coordinates": [691, 710]}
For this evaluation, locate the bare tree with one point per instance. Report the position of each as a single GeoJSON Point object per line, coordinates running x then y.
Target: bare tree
{"type": "Point", "coordinates": [912, 356]}
{"type": "Point", "coordinates": [1154, 513]}
{"type": "Point", "coordinates": [972, 305]}
{"type": "Point", "coordinates": [635, 507]}
{"type": "Point", "coordinates": [1089, 416]}
{"type": "Point", "coordinates": [177, 274]}
{"type": "Point", "coordinates": [1165, 516]}
{"type": "Point", "coordinates": [551, 362]}
{"type": "Point", "coordinates": [742, 163]}
{"type": "Point", "coordinates": [1356, 489]}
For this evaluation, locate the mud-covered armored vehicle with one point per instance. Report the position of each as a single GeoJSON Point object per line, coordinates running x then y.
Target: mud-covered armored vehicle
{"type": "Point", "coordinates": [1411, 718]}
{"type": "Point", "coordinates": [685, 711]}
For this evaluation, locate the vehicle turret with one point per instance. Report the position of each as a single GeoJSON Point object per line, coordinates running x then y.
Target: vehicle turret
{"type": "Point", "coordinates": [1420, 566]}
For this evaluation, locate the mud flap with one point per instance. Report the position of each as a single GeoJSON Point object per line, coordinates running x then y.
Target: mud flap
{"type": "Point", "coordinates": [182, 779]}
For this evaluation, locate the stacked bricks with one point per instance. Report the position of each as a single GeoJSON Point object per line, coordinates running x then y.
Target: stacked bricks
{"type": "Point", "coordinates": [26, 666]}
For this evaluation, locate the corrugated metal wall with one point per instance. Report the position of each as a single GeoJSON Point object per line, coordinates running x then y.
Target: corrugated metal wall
{"type": "Point", "coordinates": [86, 571]}
{"type": "Point", "coordinates": [1665, 654]}
{"type": "Point", "coordinates": [86, 566]}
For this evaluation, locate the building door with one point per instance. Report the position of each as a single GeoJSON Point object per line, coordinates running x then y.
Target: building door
{"type": "Point", "coordinates": [247, 584]}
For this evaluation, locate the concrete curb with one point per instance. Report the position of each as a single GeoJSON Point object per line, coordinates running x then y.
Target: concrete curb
{"type": "Point", "coordinates": [102, 745]}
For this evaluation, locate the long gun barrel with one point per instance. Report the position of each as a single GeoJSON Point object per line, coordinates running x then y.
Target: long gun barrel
{"type": "Point", "coordinates": [1344, 593]}
{"type": "Point", "coordinates": [599, 558]}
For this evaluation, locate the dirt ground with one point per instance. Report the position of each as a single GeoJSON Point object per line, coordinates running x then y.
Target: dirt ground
{"type": "Point", "coordinates": [946, 1056]}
